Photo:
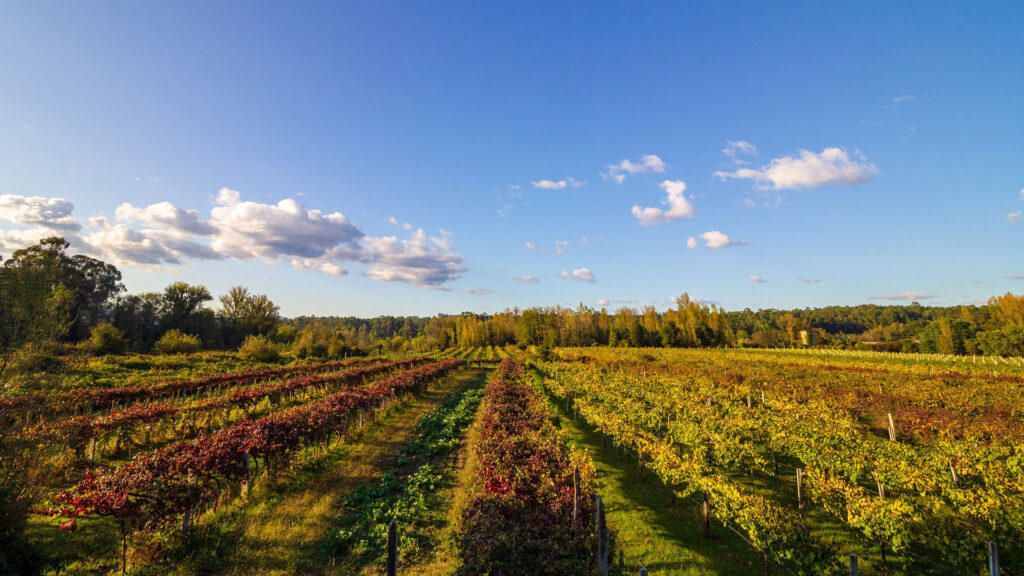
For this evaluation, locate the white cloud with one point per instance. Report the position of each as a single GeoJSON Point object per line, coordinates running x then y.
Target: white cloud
{"type": "Point", "coordinates": [123, 245]}
{"type": "Point", "coordinates": [560, 246]}
{"type": "Point", "coordinates": [530, 246]}
{"type": "Point", "coordinates": [714, 240]}
{"type": "Point", "coordinates": [649, 163]}
{"type": "Point", "coordinates": [514, 186]}
{"type": "Point", "coordinates": [524, 279]}
{"type": "Point", "coordinates": [404, 225]}
{"type": "Point", "coordinates": [678, 205]}
{"type": "Point", "coordinates": [1022, 193]}
{"type": "Point", "coordinates": [557, 185]}
{"type": "Point", "coordinates": [444, 240]}
{"type": "Point", "coordinates": [903, 98]}
{"type": "Point", "coordinates": [581, 274]}
{"type": "Point", "coordinates": [308, 239]}
{"type": "Point", "coordinates": [809, 280]}
{"type": "Point", "coordinates": [906, 296]}
{"type": "Point", "coordinates": [741, 147]}
{"type": "Point", "coordinates": [1013, 217]}
{"type": "Point", "coordinates": [413, 261]}
{"type": "Point", "coordinates": [691, 243]}
{"type": "Point", "coordinates": [247, 230]}
{"type": "Point", "coordinates": [477, 291]}
{"type": "Point", "coordinates": [53, 213]}
{"type": "Point", "coordinates": [1014, 276]}
{"type": "Point", "coordinates": [756, 279]}
{"type": "Point", "coordinates": [808, 170]}
{"type": "Point", "coordinates": [602, 303]}
{"type": "Point", "coordinates": [166, 216]}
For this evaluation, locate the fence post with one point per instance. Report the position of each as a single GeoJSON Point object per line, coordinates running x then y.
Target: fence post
{"type": "Point", "coordinates": [575, 497]}
{"type": "Point", "coordinates": [643, 571]}
{"type": "Point", "coordinates": [800, 487]}
{"type": "Point", "coordinates": [602, 535]}
{"type": "Point", "coordinates": [393, 549]}
{"type": "Point", "coordinates": [853, 565]}
{"type": "Point", "coordinates": [993, 558]}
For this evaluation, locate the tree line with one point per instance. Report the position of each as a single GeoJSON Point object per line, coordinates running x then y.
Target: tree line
{"type": "Point", "coordinates": [47, 296]}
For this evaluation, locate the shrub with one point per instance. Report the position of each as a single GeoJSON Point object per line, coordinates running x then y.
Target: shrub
{"type": "Point", "coordinates": [177, 342]}
{"type": "Point", "coordinates": [105, 338]}
{"type": "Point", "coordinates": [259, 348]}
{"type": "Point", "coordinates": [35, 357]}
{"type": "Point", "coordinates": [285, 334]}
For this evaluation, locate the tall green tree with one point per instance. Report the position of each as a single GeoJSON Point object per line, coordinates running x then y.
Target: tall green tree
{"type": "Point", "coordinates": [247, 314]}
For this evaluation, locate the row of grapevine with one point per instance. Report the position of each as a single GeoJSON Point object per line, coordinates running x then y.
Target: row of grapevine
{"type": "Point", "coordinates": [531, 513]}
{"type": "Point", "coordinates": [937, 504]}
{"type": "Point", "coordinates": [48, 405]}
{"type": "Point", "coordinates": [155, 488]}
{"type": "Point", "coordinates": [76, 432]}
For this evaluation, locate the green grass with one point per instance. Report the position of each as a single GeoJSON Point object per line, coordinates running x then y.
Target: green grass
{"type": "Point", "coordinates": [650, 530]}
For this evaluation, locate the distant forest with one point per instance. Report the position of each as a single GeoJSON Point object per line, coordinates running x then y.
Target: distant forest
{"type": "Point", "coordinates": [52, 302]}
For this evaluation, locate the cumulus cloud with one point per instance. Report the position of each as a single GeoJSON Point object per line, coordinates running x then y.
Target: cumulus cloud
{"type": "Point", "coordinates": [678, 206]}
{"type": "Point", "coordinates": [581, 274]}
{"type": "Point", "coordinates": [691, 243]}
{"type": "Point", "coordinates": [524, 279]}
{"type": "Point", "coordinates": [124, 245]}
{"type": "Point", "coordinates": [602, 303]}
{"type": "Point", "coordinates": [739, 148]}
{"type": "Point", "coordinates": [649, 163]}
{"type": "Point", "coordinates": [756, 279]}
{"type": "Point", "coordinates": [530, 246]}
{"type": "Point", "coordinates": [477, 291]}
{"type": "Point", "coordinates": [714, 240]}
{"type": "Point", "coordinates": [1013, 217]}
{"type": "Point", "coordinates": [413, 260]}
{"type": "Point", "coordinates": [247, 230]}
{"type": "Point", "coordinates": [52, 213]}
{"type": "Point", "coordinates": [557, 185]}
{"type": "Point", "coordinates": [560, 246]}
{"type": "Point", "coordinates": [1022, 193]}
{"type": "Point", "coordinates": [807, 170]}
{"type": "Point", "coordinates": [164, 234]}
{"type": "Point", "coordinates": [906, 296]}
{"type": "Point", "coordinates": [166, 216]}
{"type": "Point", "coordinates": [808, 280]}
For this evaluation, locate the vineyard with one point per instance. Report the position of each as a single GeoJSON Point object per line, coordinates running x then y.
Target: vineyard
{"type": "Point", "coordinates": [500, 460]}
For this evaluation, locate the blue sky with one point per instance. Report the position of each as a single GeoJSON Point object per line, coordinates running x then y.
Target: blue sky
{"type": "Point", "coordinates": [877, 151]}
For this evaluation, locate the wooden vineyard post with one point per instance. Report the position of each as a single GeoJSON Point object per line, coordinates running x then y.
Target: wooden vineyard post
{"type": "Point", "coordinates": [706, 510]}
{"type": "Point", "coordinates": [602, 535]}
{"type": "Point", "coordinates": [800, 487]}
{"type": "Point", "coordinates": [186, 520]}
{"type": "Point", "coordinates": [248, 474]}
{"type": "Point", "coordinates": [892, 427]}
{"type": "Point", "coordinates": [392, 567]}
{"type": "Point", "coordinates": [993, 559]}
{"type": "Point", "coordinates": [853, 565]}
{"type": "Point", "coordinates": [643, 571]}
{"type": "Point", "coordinates": [956, 479]}
{"type": "Point", "coordinates": [575, 497]}
{"type": "Point", "coordinates": [881, 490]}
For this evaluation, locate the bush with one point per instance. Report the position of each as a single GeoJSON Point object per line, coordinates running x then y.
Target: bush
{"type": "Point", "coordinates": [285, 334]}
{"type": "Point", "coordinates": [35, 357]}
{"type": "Point", "coordinates": [105, 338]}
{"type": "Point", "coordinates": [259, 348]}
{"type": "Point", "coordinates": [177, 342]}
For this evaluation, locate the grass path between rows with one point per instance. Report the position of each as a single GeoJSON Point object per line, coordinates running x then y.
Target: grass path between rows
{"type": "Point", "coordinates": [650, 531]}
{"type": "Point", "coordinates": [280, 532]}
{"type": "Point", "coordinates": [445, 560]}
